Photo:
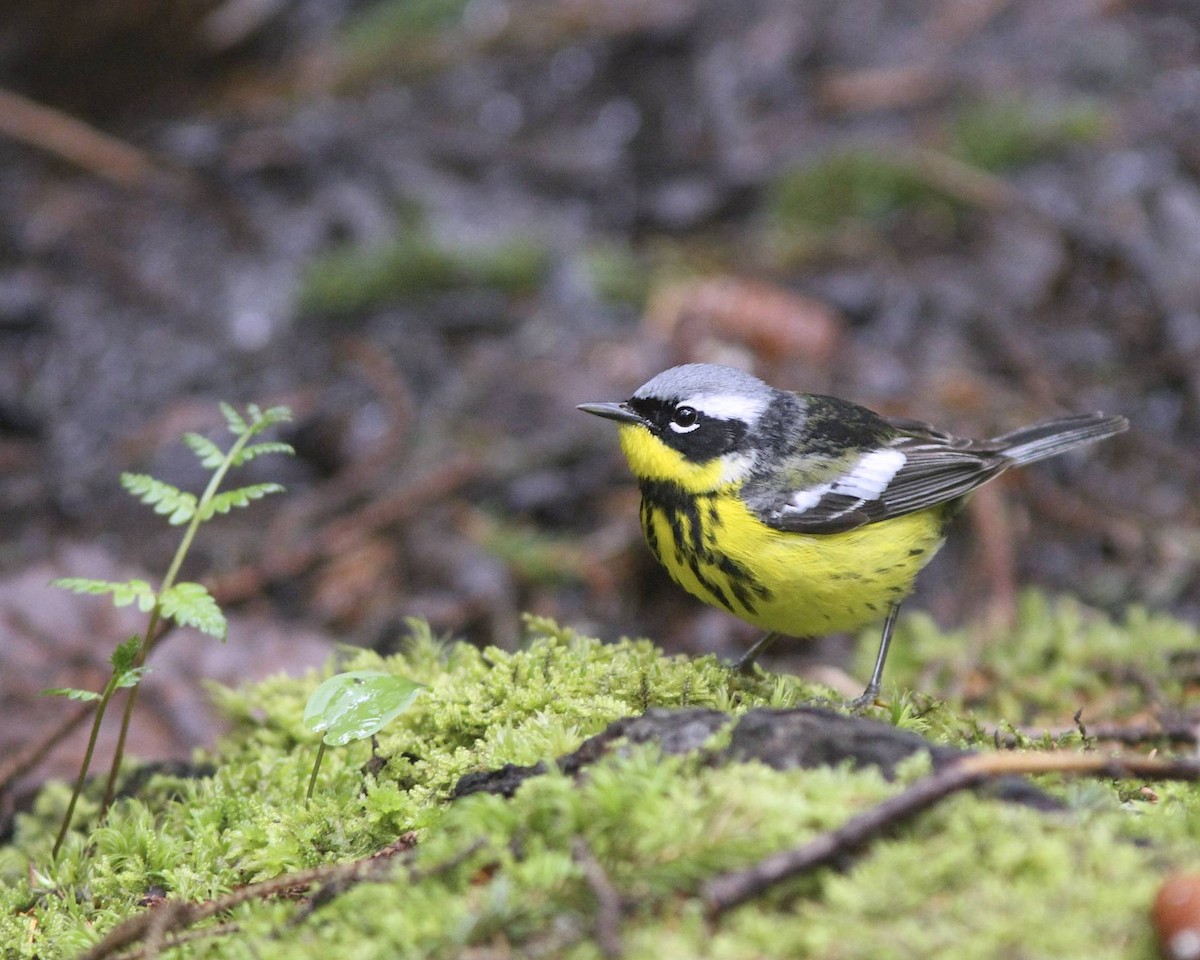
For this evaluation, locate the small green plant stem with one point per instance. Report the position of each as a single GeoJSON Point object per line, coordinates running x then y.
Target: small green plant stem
{"type": "Point", "coordinates": [312, 781]}
{"type": "Point", "coordinates": [109, 689]}
{"type": "Point", "coordinates": [153, 635]}
{"type": "Point", "coordinates": [110, 787]}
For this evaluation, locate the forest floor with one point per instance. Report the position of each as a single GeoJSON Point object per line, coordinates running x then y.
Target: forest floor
{"type": "Point", "coordinates": [432, 228]}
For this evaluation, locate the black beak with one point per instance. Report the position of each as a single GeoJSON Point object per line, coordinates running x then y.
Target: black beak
{"type": "Point", "coordinates": [611, 411]}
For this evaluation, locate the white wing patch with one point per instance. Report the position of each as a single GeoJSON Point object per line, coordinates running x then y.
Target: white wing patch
{"type": "Point", "coordinates": [728, 406]}
{"type": "Point", "coordinates": [803, 500]}
{"type": "Point", "coordinates": [866, 480]}
{"type": "Point", "coordinates": [871, 475]}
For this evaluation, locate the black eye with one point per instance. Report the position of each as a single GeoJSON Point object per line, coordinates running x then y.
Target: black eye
{"type": "Point", "coordinates": [685, 417]}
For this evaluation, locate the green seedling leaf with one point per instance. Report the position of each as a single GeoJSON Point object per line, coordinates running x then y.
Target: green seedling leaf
{"type": "Point", "coordinates": [125, 674]}
{"type": "Point", "coordinates": [211, 456]}
{"type": "Point", "coordinates": [71, 693]}
{"type": "Point", "coordinates": [123, 594]}
{"type": "Point", "coordinates": [165, 499]}
{"type": "Point", "coordinates": [256, 419]}
{"type": "Point", "coordinates": [191, 605]}
{"type": "Point", "coordinates": [356, 705]}
{"type": "Point", "coordinates": [130, 678]}
{"type": "Point", "coordinates": [237, 425]}
{"type": "Point", "coordinates": [124, 657]}
{"type": "Point", "coordinates": [223, 503]}
{"type": "Point", "coordinates": [270, 416]}
{"type": "Point", "coordinates": [259, 449]}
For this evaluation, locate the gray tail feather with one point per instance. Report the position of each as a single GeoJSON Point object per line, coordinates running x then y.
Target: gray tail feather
{"type": "Point", "coordinates": [1043, 440]}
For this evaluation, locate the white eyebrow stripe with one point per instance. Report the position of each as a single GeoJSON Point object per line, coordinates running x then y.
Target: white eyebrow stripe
{"type": "Point", "coordinates": [728, 406]}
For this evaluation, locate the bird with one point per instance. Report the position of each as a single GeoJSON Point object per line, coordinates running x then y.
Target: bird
{"type": "Point", "coordinates": [805, 514]}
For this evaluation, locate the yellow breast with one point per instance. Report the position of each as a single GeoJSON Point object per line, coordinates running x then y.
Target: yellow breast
{"type": "Point", "coordinates": [794, 583]}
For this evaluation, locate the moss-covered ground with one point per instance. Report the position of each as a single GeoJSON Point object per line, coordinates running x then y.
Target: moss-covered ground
{"type": "Point", "coordinates": [497, 877]}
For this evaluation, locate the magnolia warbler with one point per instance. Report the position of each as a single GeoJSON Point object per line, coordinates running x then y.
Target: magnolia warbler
{"type": "Point", "coordinates": [800, 513]}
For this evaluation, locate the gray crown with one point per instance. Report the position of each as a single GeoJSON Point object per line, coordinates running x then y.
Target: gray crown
{"type": "Point", "coordinates": [704, 379]}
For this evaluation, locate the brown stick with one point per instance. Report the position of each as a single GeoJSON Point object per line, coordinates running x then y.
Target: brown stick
{"type": "Point", "coordinates": [34, 753]}
{"type": "Point", "coordinates": [148, 952]}
{"type": "Point", "coordinates": [731, 889]}
{"type": "Point", "coordinates": [73, 140]}
{"type": "Point", "coordinates": [172, 915]}
{"type": "Point", "coordinates": [607, 924]}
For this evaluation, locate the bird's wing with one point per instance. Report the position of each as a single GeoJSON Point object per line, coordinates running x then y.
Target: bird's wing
{"type": "Point", "coordinates": [920, 467]}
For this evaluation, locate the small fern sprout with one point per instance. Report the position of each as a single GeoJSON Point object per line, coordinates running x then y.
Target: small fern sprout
{"type": "Point", "coordinates": [185, 604]}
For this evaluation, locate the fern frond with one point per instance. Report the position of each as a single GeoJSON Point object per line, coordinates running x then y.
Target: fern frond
{"type": "Point", "coordinates": [191, 605]}
{"type": "Point", "coordinates": [259, 449]}
{"type": "Point", "coordinates": [261, 419]}
{"type": "Point", "coordinates": [166, 499]}
{"type": "Point", "coordinates": [241, 497]}
{"type": "Point", "coordinates": [237, 426]}
{"type": "Point", "coordinates": [131, 677]}
{"type": "Point", "coordinates": [71, 693]}
{"type": "Point", "coordinates": [123, 594]}
{"type": "Point", "coordinates": [256, 419]}
{"type": "Point", "coordinates": [211, 456]}
{"type": "Point", "coordinates": [125, 656]}
{"type": "Point", "coordinates": [280, 414]}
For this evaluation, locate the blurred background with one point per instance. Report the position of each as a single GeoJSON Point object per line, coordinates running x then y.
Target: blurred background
{"type": "Point", "coordinates": [432, 227]}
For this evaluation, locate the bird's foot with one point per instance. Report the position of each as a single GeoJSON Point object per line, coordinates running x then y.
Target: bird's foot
{"type": "Point", "coordinates": [743, 665]}
{"type": "Point", "coordinates": [858, 706]}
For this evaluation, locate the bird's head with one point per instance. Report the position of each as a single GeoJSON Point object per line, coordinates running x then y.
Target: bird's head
{"type": "Point", "coordinates": [692, 425]}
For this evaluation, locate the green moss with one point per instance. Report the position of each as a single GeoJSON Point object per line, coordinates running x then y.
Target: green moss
{"type": "Point", "coordinates": [618, 274]}
{"type": "Point", "coordinates": [413, 264]}
{"type": "Point", "coordinates": [1002, 134]}
{"type": "Point", "coordinates": [1059, 657]}
{"type": "Point", "coordinates": [852, 184]}
{"type": "Point", "coordinates": [872, 183]}
{"type": "Point", "coordinates": [399, 35]}
{"type": "Point", "coordinates": [532, 554]}
{"type": "Point", "coordinates": [971, 878]}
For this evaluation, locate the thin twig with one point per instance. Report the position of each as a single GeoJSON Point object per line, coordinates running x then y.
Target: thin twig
{"type": "Point", "coordinates": [731, 889]}
{"type": "Point", "coordinates": [173, 915]}
{"type": "Point", "coordinates": [968, 183]}
{"type": "Point", "coordinates": [180, 914]}
{"type": "Point", "coordinates": [34, 753]}
{"type": "Point", "coordinates": [73, 140]}
{"type": "Point", "coordinates": [997, 560]}
{"type": "Point", "coordinates": [608, 901]}
{"type": "Point", "coordinates": [920, 79]}
{"type": "Point", "coordinates": [728, 890]}
{"type": "Point", "coordinates": [179, 939]}
{"type": "Point", "coordinates": [1130, 736]}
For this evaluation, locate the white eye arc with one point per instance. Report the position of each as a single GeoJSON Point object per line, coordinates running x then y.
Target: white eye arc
{"type": "Point", "coordinates": [684, 420]}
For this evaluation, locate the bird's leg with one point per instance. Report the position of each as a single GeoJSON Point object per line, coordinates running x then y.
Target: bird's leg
{"type": "Point", "coordinates": [858, 704]}
{"type": "Point", "coordinates": [746, 663]}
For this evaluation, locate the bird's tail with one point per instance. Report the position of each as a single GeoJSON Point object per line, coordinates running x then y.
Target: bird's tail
{"type": "Point", "coordinates": [1043, 440]}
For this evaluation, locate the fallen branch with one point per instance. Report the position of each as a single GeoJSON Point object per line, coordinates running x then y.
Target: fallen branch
{"type": "Point", "coordinates": [152, 927]}
{"type": "Point", "coordinates": [729, 890]}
